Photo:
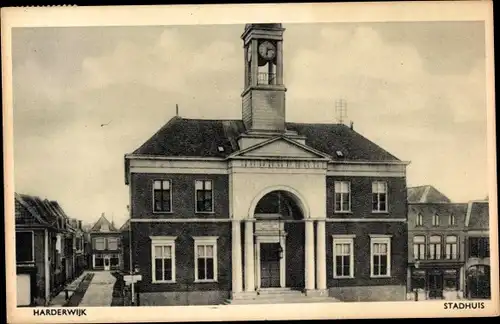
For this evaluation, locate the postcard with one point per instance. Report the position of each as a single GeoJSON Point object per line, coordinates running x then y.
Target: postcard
{"type": "Point", "coordinates": [250, 162]}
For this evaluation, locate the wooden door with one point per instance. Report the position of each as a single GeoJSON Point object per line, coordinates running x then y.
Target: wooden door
{"type": "Point", "coordinates": [106, 263]}
{"type": "Point", "coordinates": [269, 265]}
{"type": "Point", "coordinates": [436, 285]}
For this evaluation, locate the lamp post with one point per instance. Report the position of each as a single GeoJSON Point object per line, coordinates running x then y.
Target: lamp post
{"type": "Point", "coordinates": [131, 269]}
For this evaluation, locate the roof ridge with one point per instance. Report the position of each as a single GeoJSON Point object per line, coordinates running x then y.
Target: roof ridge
{"type": "Point", "coordinates": [209, 119]}
{"type": "Point", "coordinates": [420, 186]}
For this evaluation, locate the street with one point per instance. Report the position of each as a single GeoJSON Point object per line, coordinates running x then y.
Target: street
{"type": "Point", "coordinates": [100, 291]}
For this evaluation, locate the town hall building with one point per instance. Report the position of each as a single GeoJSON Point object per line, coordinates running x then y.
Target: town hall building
{"type": "Point", "coordinates": [230, 211]}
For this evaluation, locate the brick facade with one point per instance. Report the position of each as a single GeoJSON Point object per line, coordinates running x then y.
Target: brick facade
{"type": "Point", "coordinates": [183, 195]}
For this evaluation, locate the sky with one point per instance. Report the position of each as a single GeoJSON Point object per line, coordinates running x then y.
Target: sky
{"type": "Point", "coordinates": [417, 89]}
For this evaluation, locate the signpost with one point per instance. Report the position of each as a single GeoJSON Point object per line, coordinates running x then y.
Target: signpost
{"type": "Point", "coordinates": [130, 279]}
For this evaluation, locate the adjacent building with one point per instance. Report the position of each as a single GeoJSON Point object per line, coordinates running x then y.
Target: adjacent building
{"type": "Point", "coordinates": [436, 232]}
{"type": "Point", "coordinates": [449, 254]}
{"type": "Point", "coordinates": [106, 245]}
{"type": "Point", "coordinates": [44, 262]}
{"type": "Point", "coordinates": [222, 210]}
{"type": "Point", "coordinates": [78, 243]}
{"type": "Point", "coordinates": [477, 262]}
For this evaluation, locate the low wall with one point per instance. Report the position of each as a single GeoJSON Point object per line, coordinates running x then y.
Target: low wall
{"type": "Point", "coordinates": [179, 298]}
{"type": "Point", "coordinates": [369, 293]}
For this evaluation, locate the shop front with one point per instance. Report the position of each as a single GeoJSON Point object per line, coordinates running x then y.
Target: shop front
{"type": "Point", "coordinates": [478, 282]}
{"type": "Point", "coordinates": [436, 282]}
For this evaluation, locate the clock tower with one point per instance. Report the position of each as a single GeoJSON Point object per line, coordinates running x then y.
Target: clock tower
{"type": "Point", "coordinates": [263, 97]}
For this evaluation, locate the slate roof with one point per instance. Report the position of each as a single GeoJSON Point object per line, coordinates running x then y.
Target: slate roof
{"type": "Point", "coordinates": [426, 194]}
{"type": "Point", "coordinates": [203, 137]}
{"type": "Point", "coordinates": [479, 218]}
{"type": "Point", "coordinates": [101, 221]}
{"type": "Point", "coordinates": [125, 226]}
{"type": "Point", "coordinates": [32, 210]}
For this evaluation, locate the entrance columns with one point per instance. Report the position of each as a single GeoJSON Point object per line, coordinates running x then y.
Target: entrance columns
{"type": "Point", "coordinates": [249, 257]}
{"type": "Point", "coordinates": [321, 255]}
{"type": "Point", "coordinates": [309, 255]}
{"type": "Point", "coordinates": [236, 257]}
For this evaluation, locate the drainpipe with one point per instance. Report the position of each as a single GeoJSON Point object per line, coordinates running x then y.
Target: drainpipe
{"type": "Point", "coordinates": [132, 284]}
{"type": "Point", "coordinates": [47, 267]}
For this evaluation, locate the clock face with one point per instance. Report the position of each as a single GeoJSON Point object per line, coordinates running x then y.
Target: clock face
{"type": "Point", "coordinates": [267, 50]}
{"type": "Point", "coordinates": [249, 53]}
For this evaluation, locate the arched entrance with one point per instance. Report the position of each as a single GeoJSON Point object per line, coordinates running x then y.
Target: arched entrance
{"type": "Point", "coordinates": [279, 241]}
{"type": "Point", "coordinates": [478, 281]}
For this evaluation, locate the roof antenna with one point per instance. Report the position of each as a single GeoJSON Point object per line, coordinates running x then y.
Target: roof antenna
{"type": "Point", "coordinates": [341, 110]}
{"type": "Point", "coordinates": [177, 110]}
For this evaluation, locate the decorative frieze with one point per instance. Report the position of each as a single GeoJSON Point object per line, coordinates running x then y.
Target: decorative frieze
{"type": "Point", "coordinates": [283, 164]}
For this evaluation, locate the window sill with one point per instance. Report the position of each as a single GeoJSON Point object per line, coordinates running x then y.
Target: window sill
{"type": "Point", "coordinates": [381, 276]}
{"type": "Point", "coordinates": [342, 212]}
{"type": "Point", "coordinates": [344, 277]}
{"type": "Point", "coordinates": [380, 212]}
{"type": "Point", "coordinates": [206, 213]}
{"type": "Point", "coordinates": [162, 212]}
{"type": "Point", "coordinates": [205, 281]}
{"type": "Point", "coordinates": [163, 281]}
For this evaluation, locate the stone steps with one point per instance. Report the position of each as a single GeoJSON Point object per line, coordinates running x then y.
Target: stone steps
{"type": "Point", "coordinates": [277, 296]}
{"type": "Point", "coordinates": [280, 300]}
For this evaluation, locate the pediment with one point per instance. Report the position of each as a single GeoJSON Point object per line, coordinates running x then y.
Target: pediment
{"type": "Point", "coordinates": [281, 147]}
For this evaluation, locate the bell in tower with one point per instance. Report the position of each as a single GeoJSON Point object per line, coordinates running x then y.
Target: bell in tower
{"type": "Point", "coordinates": [264, 93]}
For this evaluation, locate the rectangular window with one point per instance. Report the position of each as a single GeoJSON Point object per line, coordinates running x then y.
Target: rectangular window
{"type": "Point", "coordinates": [343, 257]}
{"type": "Point", "coordinates": [435, 220]}
{"type": "Point", "coordinates": [205, 259]}
{"type": "Point", "coordinates": [452, 219]}
{"type": "Point", "coordinates": [99, 243]}
{"type": "Point", "coordinates": [435, 248]}
{"type": "Point", "coordinates": [380, 256]}
{"type": "Point", "coordinates": [162, 196]}
{"type": "Point", "coordinates": [451, 279]}
{"type": "Point", "coordinates": [451, 247]}
{"type": "Point", "coordinates": [204, 196]}
{"type": "Point", "coordinates": [418, 279]}
{"type": "Point", "coordinates": [163, 258]}
{"type": "Point", "coordinates": [419, 247]}
{"type": "Point", "coordinates": [379, 196]}
{"type": "Point", "coordinates": [479, 247]}
{"type": "Point", "coordinates": [342, 196]}
{"type": "Point", "coordinates": [24, 247]}
{"type": "Point", "coordinates": [112, 243]}
{"type": "Point", "coordinates": [115, 260]}
{"type": "Point", "coordinates": [420, 220]}
{"type": "Point", "coordinates": [78, 243]}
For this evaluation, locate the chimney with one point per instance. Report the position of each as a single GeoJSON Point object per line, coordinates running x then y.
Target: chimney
{"type": "Point", "coordinates": [177, 110]}
{"type": "Point", "coordinates": [352, 125]}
